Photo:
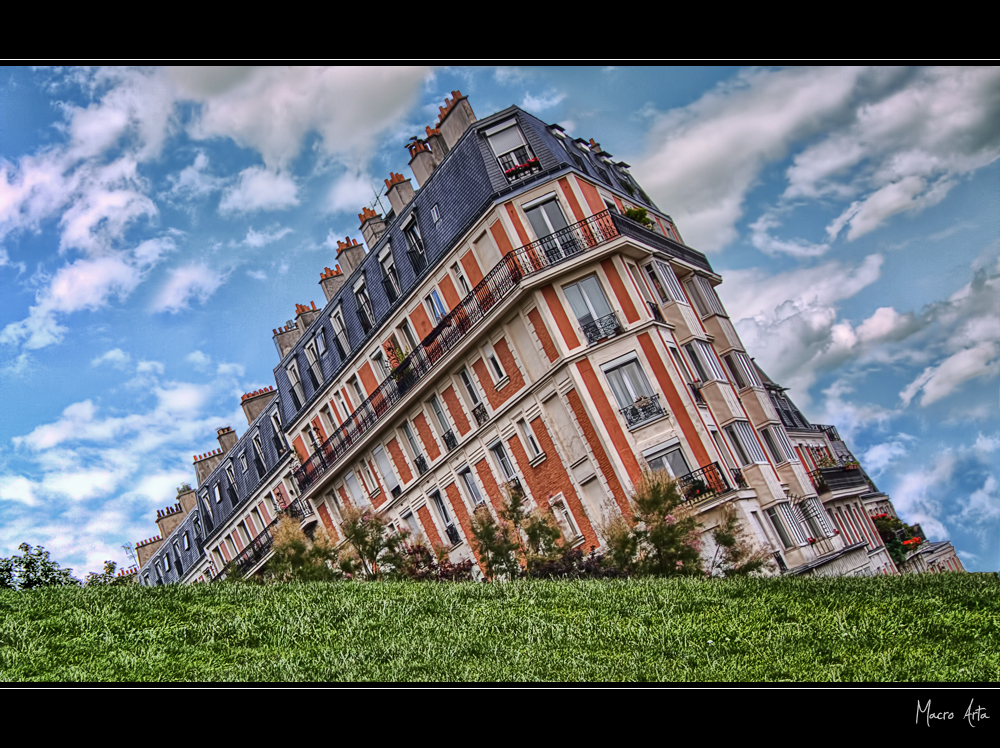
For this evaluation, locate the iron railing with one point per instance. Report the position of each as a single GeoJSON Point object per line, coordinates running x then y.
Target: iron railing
{"type": "Point", "coordinates": [703, 483]}
{"type": "Point", "coordinates": [602, 328]}
{"type": "Point", "coordinates": [452, 532]}
{"type": "Point", "coordinates": [837, 478]}
{"type": "Point", "coordinates": [421, 462]}
{"type": "Point", "coordinates": [642, 411]}
{"type": "Point", "coordinates": [654, 310]}
{"type": "Point", "coordinates": [632, 229]}
{"type": "Point", "coordinates": [480, 413]}
{"type": "Point", "coordinates": [498, 284]}
{"type": "Point", "coordinates": [448, 437]}
{"type": "Point", "coordinates": [738, 480]}
{"type": "Point", "coordinates": [261, 545]}
{"type": "Point", "coordinates": [696, 392]}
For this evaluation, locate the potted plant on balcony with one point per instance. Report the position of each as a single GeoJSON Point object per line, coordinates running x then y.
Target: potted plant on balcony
{"type": "Point", "coordinates": [639, 216]}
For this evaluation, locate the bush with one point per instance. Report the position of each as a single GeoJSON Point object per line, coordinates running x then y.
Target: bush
{"type": "Point", "coordinates": [33, 569]}
{"type": "Point", "coordinates": [297, 558]}
{"type": "Point", "coordinates": [734, 555]}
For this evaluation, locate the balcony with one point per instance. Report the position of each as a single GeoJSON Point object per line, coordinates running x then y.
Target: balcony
{"type": "Point", "coordinates": [448, 437]}
{"type": "Point", "coordinates": [642, 411]}
{"type": "Point", "coordinates": [696, 393]}
{"type": "Point", "coordinates": [654, 310]}
{"type": "Point", "coordinates": [602, 328]}
{"type": "Point", "coordinates": [452, 532]}
{"type": "Point", "coordinates": [501, 282]}
{"type": "Point", "coordinates": [421, 462]}
{"type": "Point", "coordinates": [704, 483]}
{"type": "Point", "coordinates": [826, 479]}
{"type": "Point", "coordinates": [518, 164]}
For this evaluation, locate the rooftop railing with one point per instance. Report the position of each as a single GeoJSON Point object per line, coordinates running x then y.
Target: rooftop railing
{"type": "Point", "coordinates": [497, 285]}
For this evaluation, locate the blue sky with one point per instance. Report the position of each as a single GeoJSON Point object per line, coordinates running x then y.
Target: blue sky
{"type": "Point", "coordinates": [156, 224]}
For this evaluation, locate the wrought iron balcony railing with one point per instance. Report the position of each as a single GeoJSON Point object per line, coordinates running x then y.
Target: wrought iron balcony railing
{"type": "Point", "coordinates": [602, 328]}
{"type": "Point", "coordinates": [703, 483]}
{"type": "Point", "coordinates": [654, 309]}
{"type": "Point", "coordinates": [421, 463]}
{"type": "Point", "coordinates": [480, 413]}
{"type": "Point", "coordinates": [837, 478]}
{"type": "Point", "coordinates": [452, 532]}
{"type": "Point", "coordinates": [696, 392]}
{"type": "Point", "coordinates": [448, 437]}
{"type": "Point", "coordinates": [497, 285]}
{"type": "Point", "coordinates": [261, 545]}
{"type": "Point", "coordinates": [642, 411]}
{"type": "Point", "coordinates": [738, 480]}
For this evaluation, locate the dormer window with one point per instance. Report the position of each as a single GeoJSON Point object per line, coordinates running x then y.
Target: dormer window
{"type": "Point", "coordinates": [512, 151]}
{"type": "Point", "coordinates": [415, 243]}
{"type": "Point", "coordinates": [298, 394]}
{"type": "Point", "coordinates": [365, 313]}
{"type": "Point", "coordinates": [314, 350]}
{"type": "Point", "coordinates": [390, 280]}
{"type": "Point", "coordinates": [339, 335]}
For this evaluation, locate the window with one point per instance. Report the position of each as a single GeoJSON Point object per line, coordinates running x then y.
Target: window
{"type": "Point", "coordinates": [779, 527]}
{"type": "Point", "coordinates": [388, 475]}
{"type": "Point", "coordinates": [435, 213]}
{"type": "Point", "coordinates": [339, 335]}
{"type": "Point", "coordinates": [590, 305]}
{"type": "Point", "coordinates": [412, 524]}
{"type": "Point", "coordinates": [166, 562]}
{"type": "Point", "coordinates": [720, 445]}
{"type": "Point", "coordinates": [365, 313]}
{"type": "Point", "coordinates": [469, 481]}
{"type": "Point", "coordinates": [636, 400]}
{"type": "Point", "coordinates": [496, 370]}
{"type": "Point", "coordinates": [435, 307]}
{"type": "Point", "coordinates": [408, 337]}
{"type": "Point", "coordinates": [463, 284]}
{"type": "Point", "coordinates": [217, 493]}
{"type": "Point", "coordinates": [705, 363]}
{"type": "Point", "coordinates": [390, 280]}
{"type": "Point", "coordinates": [512, 151]}
{"type": "Point", "coordinates": [418, 458]}
{"type": "Point", "coordinates": [777, 452]}
{"type": "Point", "coordinates": [358, 391]}
{"type": "Point", "coordinates": [298, 394]}
{"type": "Point", "coordinates": [311, 436]}
{"type": "Point", "coordinates": [439, 414]}
{"type": "Point", "coordinates": [529, 439]}
{"type": "Point", "coordinates": [243, 462]}
{"type": "Point", "coordinates": [665, 282]}
{"type": "Point", "coordinates": [331, 424]}
{"type": "Point", "coordinates": [742, 370]}
{"type": "Point", "coordinates": [670, 459]}
{"type": "Point", "coordinates": [373, 484]}
{"type": "Point", "coordinates": [187, 542]}
{"type": "Point", "coordinates": [415, 243]}
{"type": "Point", "coordinates": [258, 456]}
{"type": "Point", "coordinates": [339, 399]}
{"type": "Point", "coordinates": [314, 349]}
{"type": "Point", "coordinates": [229, 474]}
{"type": "Point", "coordinates": [547, 221]}
{"type": "Point", "coordinates": [704, 296]}
{"type": "Point", "coordinates": [500, 455]}
{"type": "Point", "coordinates": [564, 518]}
{"type": "Point", "coordinates": [744, 443]}
{"type": "Point", "coordinates": [276, 436]}
{"type": "Point", "coordinates": [357, 495]}
{"type": "Point", "coordinates": [469, 386]}
{"type": "Point", "coordinates": [449, 524]}
{"type": "Point", "coordinates": [379, 365]}
{"type": "Point", "coordinates": [612, 208]}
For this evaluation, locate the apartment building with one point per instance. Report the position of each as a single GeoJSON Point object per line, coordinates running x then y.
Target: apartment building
{"type": "Point", "coordinates": [511, 321]}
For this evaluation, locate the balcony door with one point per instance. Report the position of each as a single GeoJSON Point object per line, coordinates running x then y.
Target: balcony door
{"type": "Point", "coordinates": [590, 306]}
{"type": "Point", "coordinates": [672, 460]}
{"type": "Point", "coordinates": [628, 383]}
{"type": "Point", "coordinates": [547, 221]}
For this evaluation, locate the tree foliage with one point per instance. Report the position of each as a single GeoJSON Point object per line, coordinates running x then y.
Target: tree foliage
{"type": "Point", "coordinates": [32, 569]}
{"type": "Point", "coordinates": [107, 577]}
{"type": "Point", "coordinates": [734, 555]}
{"type": "Point", "coordinates": [297, 558]}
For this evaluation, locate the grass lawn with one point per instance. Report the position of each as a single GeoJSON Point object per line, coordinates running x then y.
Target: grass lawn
{"type": "Point", "coordinates": [943, 627]}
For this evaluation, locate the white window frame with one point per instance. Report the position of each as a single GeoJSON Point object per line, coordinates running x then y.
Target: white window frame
{"type": "Point", "coordinates": [665, 283]}
{"type": "Point", "coordinates": [503, 460]}
{"type": "Point", "coordinates": [340, 332]}
{"type": "Point", "coordinates": [528, 435]}
{"type": "Point", "coordinates": [470, 386]}
{"type": "Point", "coordinates": [565, 519]}
{"type": "Point", "coordinates": [385, 468]}
{"type": "Point", "coordinates": [620, 363]}
{"type": "Point", "coordinates": [187, 541]}
{"type": "Point", "coordinates": [460, 279]}
{"type": "Point", "coordinates": [471, 487]}
{"type": "Point", "coordinates": [389, 270]}
{"type": "Point", "coordinates": [439, 415]}
{"type": "Point", "coordinates": [435, 306]}
{"type": "Point", "coordinates": [745, 443]}
{"type": "Point", "coordinates": [496, 369]}
{"type": "Point", "coordinates": [364, 302]}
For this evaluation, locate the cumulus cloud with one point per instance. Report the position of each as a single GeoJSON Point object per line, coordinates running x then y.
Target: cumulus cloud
{"type": "Point", "coordinates": [350, 192]}
{"type": "Point", "coordinates": [199, 360]}
{"type": "Point", "coordinates": [262, 238]}
{"type": "Point", "coordinates": [116, 357]}
{"type": "Point", "coordinates": [890, 141]}
{"type": "Point", "coordinates": [879, 456]}
{"type": "Point", "coordinates": [761, 238]}
{"type": "Point", "coordinates": [348, 107]}
{"type": "Point", "coordinates": [259, 189]}
{"type": "Point", "coordinates": [194, 282]}
{"type": "Point", "coordinates": [542, 102]}
{"type": "Point", "coordinates": [194, 182]}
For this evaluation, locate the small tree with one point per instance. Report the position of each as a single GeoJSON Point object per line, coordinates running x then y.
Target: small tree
{"type": "Point", "coordinates": [734, 554]}
{"type": "Point", "coordinates": [496, 543]}
{"type": "Point", "coordinates": [639, 215]}
{"type": "Point", "coordinates": [107, 577]}
{"type": "Point", "coordinates": [33, 568]}
{"type": "Point", "coordinates": [662, 538]}
{"type": "Point", "coordinates": [296, 558]}
{"type": "Point", "coordinates": [373, 545]}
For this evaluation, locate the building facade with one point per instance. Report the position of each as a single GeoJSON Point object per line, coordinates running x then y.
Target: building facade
{"type": "Point", "coordinates": [514, 319]}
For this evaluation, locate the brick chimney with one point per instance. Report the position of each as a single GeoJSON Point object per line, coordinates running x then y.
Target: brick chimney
{"type": "Point", "coordinates": [304, 315]}
{"type": "Point", "coordinates": [227, 438]}
{"type": "Point", "coordinates": [187, 500]}
{"type": "Point", "coordinates": [372, 226]}
{"type": "Point", "coordinates": [425, 155]}
{"type": "Point", "coordinates": [399, 190]}
{"type": "Point", "coordinates": [254, 402]}
{"type": "Point", "coordinates": [350, 254]}
{"type": "Point", "coordinates": [331, 281]}
{"type": "Point", "coordinates": [454, 118]}
{"type": "Point", "coordinates": [168, 519]}
{"type": "Point", "coordinates": [145, 549]}
{"type": "Point", "coordinates": [206, 463]}
{"type": "Point", "coordinates": [286, 337]}
{"type": "Point", "coordinates": [436, 141]}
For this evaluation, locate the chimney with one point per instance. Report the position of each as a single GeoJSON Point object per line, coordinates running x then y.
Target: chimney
{"type": "Point", "coordinates": [254, 402]}
{"type": "Point", "coordinates": [168, 519]}
{"type": "Point", "coordinates": [187, 500]}
{"type": "Point", "coordinates": [350, 254]}
{"type": "Point", "coordinates": [145, 549]}
{"type": "Point", "coordinates": [436, 141]}
{"type": "Point", "coordinates": [331, 281]}
{"type": "Point", "coordinates": [206, 463]}
{"type": "Point", "coordinates": [227, 438]}
{"type": "Point", "coordinates": [399, 190]}
{"type": "Point", "coordinates": [304, 315]}
{"type": "Point", "coordinates": [286, 337]}
{"type": "Point", "coordinates": [421, 160]}
{"type": "Point", "coordinates": [372, 226]}
{"type": "Point", "coordinates": [454, 118]}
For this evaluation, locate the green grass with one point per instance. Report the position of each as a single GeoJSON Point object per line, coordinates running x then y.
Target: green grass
{"type": "Point", "coordinates": [911, 628]}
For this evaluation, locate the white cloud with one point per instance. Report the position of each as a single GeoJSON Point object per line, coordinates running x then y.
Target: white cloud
{"type": "Point", "coordinates": [194, 182]}
{"type": "Point", "coordinates": [762, 240]}
{"type": "Point", "coordinates": [259, 189]}
{"type": "Point", "coordinates": [941, 380]}
{"type": "Point", "coordinates": [257, 274]}
{"type": "Point", "coordinates": [348, 107]}
{"type": "Point", "coordinates": [350, 193]}
{"type": "Point", "coordinates": [917, 496]}
{"type": "Point", "coordinates": [196, 281]}
{"type": "Point", "coordinates": [879, 456]}
{"type": "Point", "coordinates": [199, 360]}
{"type": "Point", "coordinates": [116, 357]}
{"type": "Point", "coordinates": [17, 488]}
{"type": "Point", "coordinates": [542, 102]}
{"type": "Point", "coordinates": [262, 238]}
